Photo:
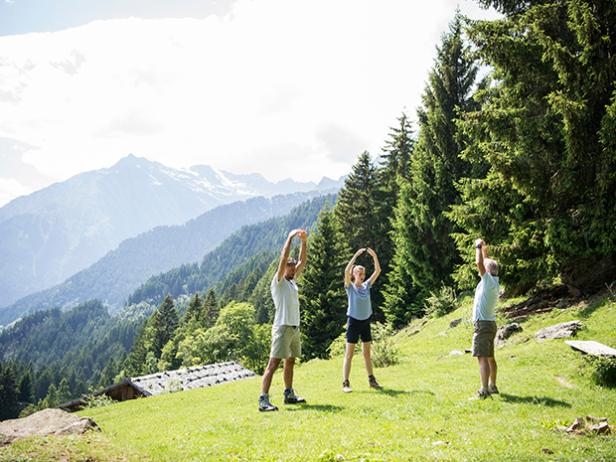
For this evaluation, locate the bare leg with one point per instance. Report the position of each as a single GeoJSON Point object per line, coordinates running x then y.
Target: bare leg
{"type": "Point", "coordinates": [493, 369]}
{"type": "Point", "coordinates": [288, 372]}
{"type": "Point", "coordinates": [484, 371]}
{"type": "Point", "coordinates": [365, 348]}
{"type": "Point", "coordinates": [272, 365]}
{"type": "Point", "coordinates": [348, 359]}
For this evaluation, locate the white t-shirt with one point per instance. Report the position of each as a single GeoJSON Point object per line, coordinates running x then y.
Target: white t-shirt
{"type": "Point", "coordinates": [286, 301]}
{"type": "Point", "coordinates": [486, 296]}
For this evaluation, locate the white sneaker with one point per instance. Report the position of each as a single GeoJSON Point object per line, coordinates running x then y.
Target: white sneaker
{"type": "Point", "coordinates": [346, 387]}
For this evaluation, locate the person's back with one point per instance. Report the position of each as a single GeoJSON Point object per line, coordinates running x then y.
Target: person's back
{"type": "Point", "coordinates": [486, 297]}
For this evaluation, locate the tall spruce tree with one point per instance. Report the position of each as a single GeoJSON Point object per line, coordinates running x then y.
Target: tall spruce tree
{"type": "Point", "coordinates": [356, 206]}
{"type": "Point", "coordinates": [322, 295]}
{"type": "Point", "coordinates": [165, 322]}
{"type": "Point", "coordinates": [394, 163]}
{"type": "Point", "coordinates": [545, 134]}
{"type": "Point", "coordinates": [357, 214]}
{"type": "Point", "coordinates": [425, 253]}
{"type": "Point", "coordinates": [210, 310]}
{"type": "Point", "coordinates": [26, 394]}
{"type": "Point", "coordinates": [193, 310]}
{"type": "Point", "coordinates": [401, 302]}
{"type": "Point", "coordinates": [8, 393]}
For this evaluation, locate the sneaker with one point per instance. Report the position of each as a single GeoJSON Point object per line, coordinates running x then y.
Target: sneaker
{"type": "Point", "coordinates": [483, 394]}
{"type": "Point", "coordinates": [373, 383]}
{"type": "Point", "coordinates": [346, 386]}
{"type": "Point", "coordinates": [291, 398]}
{"type": "Point", "coordinates": [265, 405]}
{"type": "Point", "coordinates": [493, 390]}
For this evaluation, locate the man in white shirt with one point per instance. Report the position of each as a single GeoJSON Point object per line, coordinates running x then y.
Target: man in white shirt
{"type": "Point", "coordinates": [484, 319]}
{"type": "Point", "coordinates": [285, 330]}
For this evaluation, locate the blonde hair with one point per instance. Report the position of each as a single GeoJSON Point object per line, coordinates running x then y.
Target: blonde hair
{"type": "Point", "coordinates": [356, 267]}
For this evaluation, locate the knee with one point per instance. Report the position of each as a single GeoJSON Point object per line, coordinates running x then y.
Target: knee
{"type": "Point", "coordinates": [271, 367]}
{"type": "Point", "coordinates": [349, 351]}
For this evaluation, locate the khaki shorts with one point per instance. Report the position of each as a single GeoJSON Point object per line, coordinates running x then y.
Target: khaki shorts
{"type": "Point", "coordinates": [483, 339]}
{"type": "Point", "coordinates": [285, 342]}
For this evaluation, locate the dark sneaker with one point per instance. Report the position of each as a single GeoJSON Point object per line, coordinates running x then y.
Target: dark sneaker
{"type": "Point", "coordinates": [291, 398]}
{"type": "Point", "coordinates": [265, 405]}
{"type": "Point", "coordinates": [493, 390]}
{"type": "Point", "coordinates": [483, 394]}
{"type": "Point", "coordinates": [346, 386]}
{"type": "Point", "coordinates": [373, 383]}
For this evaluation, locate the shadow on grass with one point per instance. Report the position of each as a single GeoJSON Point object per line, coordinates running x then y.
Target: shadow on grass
{"type": "Point", "coordinates": [539, 400]}
{"type": "Point", "coordinates": [392, 392]}
{"type": "Point", "coordinates": [314, 407]}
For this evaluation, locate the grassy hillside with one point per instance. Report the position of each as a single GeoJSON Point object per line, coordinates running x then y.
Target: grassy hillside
{"type": "Point", "coordinates": [424, 413]}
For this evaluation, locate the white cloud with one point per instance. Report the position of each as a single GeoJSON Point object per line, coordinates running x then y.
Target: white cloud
{"type": "Point", "coordinates": [280, 87]}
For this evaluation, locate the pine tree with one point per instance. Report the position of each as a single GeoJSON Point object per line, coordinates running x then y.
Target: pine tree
{"type": "Point", "coordinates": [8, 393]}
{"type": "Point", "coordinates": [322, 295]}
{"type": "Point", "coordinates": [261, 296]}
{"type": "Point", "coordinates": [401, 302]}
{"type": "Point", "coordinates": [546, 202]}
{"type": "Point", "coordinates": [194, 308]}
{"type": "Point", "coordinates": [165, 322]}
{"type": "Point", "coordinates": [356, 213]}
{"type": "Point", "coordinates": [64, 391]}
{"type": "Point", "coordinates": [356, 206]}
{"type": "Point", "coordinates": [395, 160]}
{"type": "Point", "coordinates": [26, 394]}
{"type": "Point", "coordinates": [394, 164]}
{"type": "Point", "coordinates": [424, 252]}
{"type": "Point", "coordinates": [437, 165]}
{"type": "Point", "coordinates": [210, 310]}
{"type": "Point", "coordinates": [135, 360]}
{"type": "Point", "coordinates": [52, 398]}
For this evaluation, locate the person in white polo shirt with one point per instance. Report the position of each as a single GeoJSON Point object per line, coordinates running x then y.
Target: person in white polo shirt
{"type": "Point", "coordinates": [286, 343]}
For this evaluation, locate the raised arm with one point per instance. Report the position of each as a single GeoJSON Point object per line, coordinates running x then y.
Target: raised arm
{"type": "Point", "coordinates": [377, 267]}
{"type": "Point", "coordinates": [349, 267]}
{"type": "Point", "coordinates": [284, 254]}
{"type": "Point", "coordinates": [481, 253]}
{"type": "Point", "coordinates": [303, 253]}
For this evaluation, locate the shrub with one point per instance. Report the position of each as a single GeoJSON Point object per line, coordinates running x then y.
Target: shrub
{"type": "Point", "coordinates": [602, 370]}
{"type": "Point", "coordinates": [384, 348]}
{"type": "Point", "coordinates": [98, 401]}
{"type": "Point", "coordinates": [441, 303]}
{"type": "Point", "coordinates": [338, 346]}
{"type": "Point", "coordinates": [385, 351]}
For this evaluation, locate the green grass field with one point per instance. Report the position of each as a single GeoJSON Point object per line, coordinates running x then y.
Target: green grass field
{"type": "Point", "coordinates": [424, 412]}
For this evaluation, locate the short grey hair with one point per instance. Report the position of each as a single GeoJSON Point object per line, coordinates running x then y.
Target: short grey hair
{"type": "Point", "coordinates": [491, 266]}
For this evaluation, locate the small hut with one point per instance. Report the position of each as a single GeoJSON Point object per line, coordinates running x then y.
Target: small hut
{"type": "Point", "coordinates": [167, 381]}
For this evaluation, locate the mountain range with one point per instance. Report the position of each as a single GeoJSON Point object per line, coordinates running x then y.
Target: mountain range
{"type": "Point", "coordinates": [50, 235]}
{"type": "Point", "coordinates": [112, 278]}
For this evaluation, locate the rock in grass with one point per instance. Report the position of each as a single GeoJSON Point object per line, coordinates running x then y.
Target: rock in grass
{"type": "Point", "coordinates": [455, 322]}
{"type": "Point", "coordinates": [507, 331]}
{"type": "Point", "coordinates": [45, 422]}
{"type": "Point", "coordinates": [589, 425]}
{"type": "Point", "coordinates": [562, 330]}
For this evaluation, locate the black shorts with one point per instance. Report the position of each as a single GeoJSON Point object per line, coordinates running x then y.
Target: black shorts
{"type": "Point", "coordinates": [358, 328]}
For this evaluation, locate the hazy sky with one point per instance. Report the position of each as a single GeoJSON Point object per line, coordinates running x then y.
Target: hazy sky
{"type": "Point", "coordinates": [285, 88]}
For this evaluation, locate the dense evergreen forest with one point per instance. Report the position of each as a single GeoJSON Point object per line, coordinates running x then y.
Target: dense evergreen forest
{"type": "Point", "coordinates": [515, 142]}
